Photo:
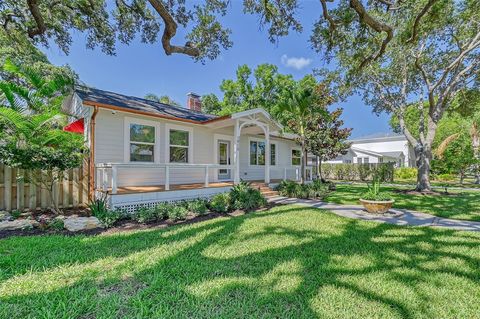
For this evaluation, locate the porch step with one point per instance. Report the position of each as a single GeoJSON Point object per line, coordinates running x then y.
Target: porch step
{"type": "Point", "coordinates": [270, 194]}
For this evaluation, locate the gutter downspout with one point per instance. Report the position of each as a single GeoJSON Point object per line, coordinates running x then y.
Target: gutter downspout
{"type": "Point", "coordinates": [91, 181]}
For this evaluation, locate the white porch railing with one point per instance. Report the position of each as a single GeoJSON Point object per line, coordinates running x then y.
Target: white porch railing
{"type": "Point", "coordinates": [107, 173]}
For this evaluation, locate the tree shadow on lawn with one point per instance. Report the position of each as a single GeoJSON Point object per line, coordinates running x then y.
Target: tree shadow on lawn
{"type": "Point", "coordinates": [289, 262]}
{"type": "Point", "coordinates": [461, 205]}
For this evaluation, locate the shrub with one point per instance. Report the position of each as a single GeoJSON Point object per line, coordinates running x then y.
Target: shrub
{"type": "Point", "coordinates": [15, 213]}
{"type": "Point", "coordinates": [363, 171]}
{"type": "Point", "coordinates": [288, 188]}
{"type": "Point", "coordinates": [319, 190]}
{"type": "Point", "coordinates": [445, 177]}
{"type": "Point", "coordinates": [108, 218]}
{"type": "Point", "coordinates": [177, 212]}
{"type": "Point", "coordinates": [327, 170]}
{"type": "Point", "coordinates": [405, 173]}
{"type": "Point", "coordinates": [56, 224]}
{"type": "Point", "coordinates": [98, 206]}
{"type": "Point", "coordinates": [162, 209]}
{"type": "Point", "coordinates": [316, 189]}
{"type": "Point", "coordinates": [245, 197]}
{"type": "Point", "coordinates": [145, 215]}
{"type": "Point", "coordinates": [220, 203]}
{"type": "Point", "coordinates": [198, 207]}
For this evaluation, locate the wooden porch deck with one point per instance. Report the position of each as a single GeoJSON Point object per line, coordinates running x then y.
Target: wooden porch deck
{"type": "Point", "coordinates": [175, 187]}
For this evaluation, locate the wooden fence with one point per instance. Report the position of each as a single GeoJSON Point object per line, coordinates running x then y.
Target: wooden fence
{"type": "Point", "coordinates": [19, 192]}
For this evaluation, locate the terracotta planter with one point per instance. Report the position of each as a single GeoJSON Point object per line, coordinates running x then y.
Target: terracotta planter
{"type": "Point", "coordinates": [377, 207]}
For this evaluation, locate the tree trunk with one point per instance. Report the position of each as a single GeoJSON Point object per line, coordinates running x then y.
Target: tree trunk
{"type": "Point", "coordinates": [423, 157]}
{"type": "Point", "coordinates": [319, 168]}
{"type": "Point", "coordinates": [304, 161]}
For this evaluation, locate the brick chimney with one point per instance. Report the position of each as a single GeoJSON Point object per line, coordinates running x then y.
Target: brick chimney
{"type": "Point", "coordinates": [193, 102]}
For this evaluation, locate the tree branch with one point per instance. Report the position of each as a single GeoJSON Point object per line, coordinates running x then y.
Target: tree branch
{"type": "Point", "coordinates": [332, 25]}
{"type": "Point", "coordinates": [375, 25]}
{"type": "Point", "coordinates": [474, 43]}
{"type": "Point", "coordinates": [417, 20]}
{"type": "Point", "coordinates": [170, 31]}
{"type": "Point", "coordinates": [411, 139]}
{"type": "Point", "coordinates": [37, 16]}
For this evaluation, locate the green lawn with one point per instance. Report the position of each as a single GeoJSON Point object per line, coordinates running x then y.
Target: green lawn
{"type": "Point", "coordinates": [463, 205]}
{"type": "Point", "coordinates": [288, 262]}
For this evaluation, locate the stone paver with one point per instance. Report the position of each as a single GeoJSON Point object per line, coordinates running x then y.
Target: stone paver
{"type": "Point", "coordinates": [394, 216]}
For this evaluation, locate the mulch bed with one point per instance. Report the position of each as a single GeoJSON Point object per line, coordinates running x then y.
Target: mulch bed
{"type": "Point", "coordinates": [430, 193]}
{"type": "Point", "coordinates": [123, 225]}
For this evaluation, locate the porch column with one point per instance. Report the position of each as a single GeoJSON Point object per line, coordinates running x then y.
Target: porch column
{"type": "Point", "coordinates": [236, 153]}
{"type": "Point", "coordinates": [267, 155]}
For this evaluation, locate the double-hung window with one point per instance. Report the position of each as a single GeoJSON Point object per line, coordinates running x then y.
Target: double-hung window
{"type": "Point", "coordinates": [142, 143]}
{"type": "Point", "coordinates": [179, 146]}
{"type": "Point", "coordinates": [258, 153]}
{"type": "Point", "coordinates": [273, 154]}
{"type": "Point", "coordinates": [296, 157]}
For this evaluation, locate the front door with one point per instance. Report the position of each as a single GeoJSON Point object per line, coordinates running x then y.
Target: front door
{"type": "Point", "coordinates": [223, 159]}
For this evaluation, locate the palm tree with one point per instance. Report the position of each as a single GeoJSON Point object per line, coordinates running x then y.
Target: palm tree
{"type": "Point", "coordinates": [295, 110]}
{"type": "Point", "coordinates": [31, 90]}
{"type": "Point", "coordinates": [30, 125]}
{"type": "Point", "coordinates": [36, 141]}
{"type": "Point", "coordinates": [473, 127]}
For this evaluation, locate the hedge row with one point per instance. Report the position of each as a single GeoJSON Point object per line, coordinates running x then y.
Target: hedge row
{"type": "Point", "coordinates": [358, 172]}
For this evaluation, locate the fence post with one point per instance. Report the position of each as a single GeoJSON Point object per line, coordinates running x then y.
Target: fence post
{"type": "Point", "coordinates": [32, 189]}
{"type": "Point", "coordinates": [75, 188]}
{"type": "Point", "coordinates": [56, 187]}
{"type": "Point", "coordinates": [8, 188]}
{"type": "Point", "coordinates": [167, 177]}
{"type": "Point", "coordinates": [206, 176]}
{"type": "Point", "coordinates": [20, 190]}
{"type": "Point", "coordinates": [66, 189]}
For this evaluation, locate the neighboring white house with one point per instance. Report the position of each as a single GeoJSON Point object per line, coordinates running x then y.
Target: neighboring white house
{"type": "Point", "coordinates": [144, 152]}
{"type": "Point", "coordinates": [379, 148]}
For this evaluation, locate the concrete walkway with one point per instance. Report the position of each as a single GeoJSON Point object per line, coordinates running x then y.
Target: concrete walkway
{"type": "Point", "coordinates": [394, 216]}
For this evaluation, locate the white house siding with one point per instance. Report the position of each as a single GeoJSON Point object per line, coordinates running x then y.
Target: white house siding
{"type": "Point", "coordinates": [257, 172]}
{"type": "Point", "coordinates": [379, 145]}
{"type": "Point", "coordinates": [110, 148]}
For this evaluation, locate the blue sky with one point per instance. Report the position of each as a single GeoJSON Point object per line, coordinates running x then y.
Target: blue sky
{"type": "Point", "coordinates": [139, 68]}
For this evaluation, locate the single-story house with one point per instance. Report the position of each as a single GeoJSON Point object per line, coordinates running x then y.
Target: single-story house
{"type": "Point", "coordinates": [144, 152]}
{"type": "Point", "coordinates": [379, 148]}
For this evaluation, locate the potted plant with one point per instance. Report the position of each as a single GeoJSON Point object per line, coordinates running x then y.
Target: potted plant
{"type": "Point", "coordinates": [374, 200]}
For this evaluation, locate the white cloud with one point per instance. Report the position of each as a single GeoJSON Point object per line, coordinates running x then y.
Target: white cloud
{"type": "Point", "coordinates": [296, 63]}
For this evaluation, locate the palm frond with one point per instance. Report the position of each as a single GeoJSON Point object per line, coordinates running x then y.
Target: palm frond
{"type": "Point", "coordinates": [444, 145]}
{"type": "Point", "coordinates": [16, 120]}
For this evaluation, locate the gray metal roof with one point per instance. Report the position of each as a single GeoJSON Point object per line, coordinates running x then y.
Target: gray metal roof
{"type": "Point", "coordinates": [377, 135]}
{"type": "Point", "coordinates": [139, 104]}
{"type": "Point", "coordinates": [392, 154]}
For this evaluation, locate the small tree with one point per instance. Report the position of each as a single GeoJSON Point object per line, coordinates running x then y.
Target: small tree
{"type": "Point", "coordinates": [325, 137]}
{"type": "Point", "coordinates": [34, 142]}
{"type": "Point", "coordinates": [296, 110]}
{"type": "Point", "coordinates": [30, 126]}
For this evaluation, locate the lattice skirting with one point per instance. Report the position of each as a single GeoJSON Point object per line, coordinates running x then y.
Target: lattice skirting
{"type": "Point", "coordinates": [132, 202]}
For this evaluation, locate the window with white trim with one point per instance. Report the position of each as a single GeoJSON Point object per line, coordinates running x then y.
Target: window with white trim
{"type": "Point", "coordinates": [258, 153]}
{"type": "Point", "coordinates": [179, 146]}
{"type": "Point", "coordinates": [296, 157]}
{"type": "Point", "coordinates": [142, 143]}
{"type": "Point", "coordinates": [273, 154]}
